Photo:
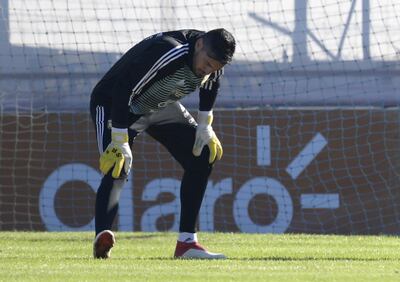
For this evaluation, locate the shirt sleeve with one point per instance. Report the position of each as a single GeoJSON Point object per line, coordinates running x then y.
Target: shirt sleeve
{"type": "Point", "coordinates": [209, 90]}
{"type": "Point", "coordinates": [140, 65]}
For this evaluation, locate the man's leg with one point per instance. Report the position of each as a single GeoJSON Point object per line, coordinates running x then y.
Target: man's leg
{"type": "Point", "coordinates": [178, 139]}
{"type": "Point", "coordinates": [176, 130]}
{"type": "Point", "coordinates": [107, 199]}
{"type": "Point", "coordinates": [109, 191]}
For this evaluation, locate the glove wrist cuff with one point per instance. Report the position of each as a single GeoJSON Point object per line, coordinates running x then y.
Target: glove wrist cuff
{"type": "Point", "coordinates": [119, 135]}
{"type": "Point", "coordinates": [204, 118]}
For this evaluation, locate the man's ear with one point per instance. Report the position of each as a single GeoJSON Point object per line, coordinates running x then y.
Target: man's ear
{"type": "Point", "coordinates": [199, 43]}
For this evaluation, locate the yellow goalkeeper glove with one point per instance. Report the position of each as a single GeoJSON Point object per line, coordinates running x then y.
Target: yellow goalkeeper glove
{"type": "Point", "coordinates": [205, 135]}
{"type": "Point", "coordinates": [118, 153]}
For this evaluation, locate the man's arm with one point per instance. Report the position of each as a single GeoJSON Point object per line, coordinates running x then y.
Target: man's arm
{"type": "Point", "coordinates": [209, 90]}
{"type": "Point", "coordinates": [133, 72]}
{"type": "Point", "coordinates": [140, 65]}
{"type": "Point", "coordinates": [205, 134]}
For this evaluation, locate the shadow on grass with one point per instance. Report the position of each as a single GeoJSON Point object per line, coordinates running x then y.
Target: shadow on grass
{"type": "Point", "coordinates": [255, 259]}
{"type": "Point", "coordinates": [141, 236]}
{"type": "Point", "coordinates": [52, 240]}
{"type": "Point", "coordinates": [170, 258]}
{"type": "Point", "coordinates": [90, 238]}
{"type": "Point", "coordinates": [312, 259]}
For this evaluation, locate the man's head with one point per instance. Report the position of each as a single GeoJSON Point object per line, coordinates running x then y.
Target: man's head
{"type": "Point", "coordinates": [212, 51]}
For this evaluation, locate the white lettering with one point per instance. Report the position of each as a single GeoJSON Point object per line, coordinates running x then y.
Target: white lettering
{"type": "Point", "coordinates": [241, 202]}
{"type": "Point", "coordinates": [271, 187]}
{"type": "Point", "coordinates": [126, 208]}
{"type": "Point", "coordinates": [213, 192]}
{"type": "Point", "coordinates": [263, 145]}
{"type": "Point", "coordinates": [166, 103]}
{"type": "Point", "coordinates": [87, 174]}
{"type": "Point", "coordinates": [150, 193]}
{"type": "Point", "coordinates": [65, 173]}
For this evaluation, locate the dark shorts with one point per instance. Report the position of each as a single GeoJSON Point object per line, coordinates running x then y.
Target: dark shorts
{"type": "Point", "coordinates": [174, 127]}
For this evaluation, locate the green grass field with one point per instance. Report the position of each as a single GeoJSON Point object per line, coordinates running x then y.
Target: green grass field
{"type": "Point", "coordinates": [43, 256]}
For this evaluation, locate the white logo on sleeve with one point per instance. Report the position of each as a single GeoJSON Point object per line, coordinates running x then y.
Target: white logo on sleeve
{"type": "Point", "coordinates": [180, 83]}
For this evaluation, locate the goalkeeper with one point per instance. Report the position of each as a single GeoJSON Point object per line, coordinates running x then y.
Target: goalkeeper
{"type": "Point", "coordinates": [140, 93]}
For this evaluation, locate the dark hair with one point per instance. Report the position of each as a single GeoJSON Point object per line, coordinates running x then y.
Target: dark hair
{"type": "Point", "coordinates": [220, 45]}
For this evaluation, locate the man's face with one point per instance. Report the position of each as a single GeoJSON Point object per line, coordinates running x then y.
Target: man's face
{"type": "Point", "coordinates": [202, 63]}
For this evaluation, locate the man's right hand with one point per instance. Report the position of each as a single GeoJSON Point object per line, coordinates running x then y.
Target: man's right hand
{"type": "Point", "coordinates": [205, 135]}
{"type": "Point", "coordinates": [118, 154]}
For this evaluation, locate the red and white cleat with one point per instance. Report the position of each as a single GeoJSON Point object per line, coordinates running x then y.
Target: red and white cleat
{"type": "Point", "coordinates": [194, 251]}
{"type": "Point", "coordinates": [103, 243]}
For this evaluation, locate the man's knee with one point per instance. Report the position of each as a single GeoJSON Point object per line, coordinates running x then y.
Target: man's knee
{"type": "Point", "coordinates": [115, 183]}
{"type": "Point", "coordinates": [199, 164]}
{"type": "Point", "coordinates": [111, 188]}
{"type": "Point", "coordinates": [120, 182]}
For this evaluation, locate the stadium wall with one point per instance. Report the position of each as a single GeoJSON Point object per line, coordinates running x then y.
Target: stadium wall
{"type": "Point", "coordinates": [284, 170]}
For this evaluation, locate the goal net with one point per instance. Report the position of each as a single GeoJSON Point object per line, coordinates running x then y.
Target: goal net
{"type": "Point", "coordinates": [308, 114]}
